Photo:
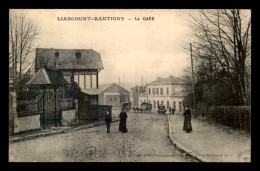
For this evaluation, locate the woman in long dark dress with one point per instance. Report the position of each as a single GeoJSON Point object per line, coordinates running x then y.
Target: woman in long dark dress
{"type": "Point", "coordinates": [187, 120]}
{"type": "Point", "coordinates": [122, 124]}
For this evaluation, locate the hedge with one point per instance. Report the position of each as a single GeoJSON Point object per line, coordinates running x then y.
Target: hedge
{"type": "Point", "coordinates": [237, 117]}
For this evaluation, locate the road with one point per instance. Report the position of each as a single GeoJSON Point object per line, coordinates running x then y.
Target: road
{"type": "Point", "coordinates": [146, 141]}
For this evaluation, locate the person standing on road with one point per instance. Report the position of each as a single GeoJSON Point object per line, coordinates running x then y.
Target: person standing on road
{"type": "Point", "coordinates": [108, 120]}
{"type": "Point", "coordinates": [173, 110]}
{"type": "Point", "coordinates": [187, 120]}
{"type": "Point", "coordinates": [122, 124]}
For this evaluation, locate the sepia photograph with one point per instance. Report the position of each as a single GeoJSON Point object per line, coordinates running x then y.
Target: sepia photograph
{"type": "Point", "coordinates": [129, 85]}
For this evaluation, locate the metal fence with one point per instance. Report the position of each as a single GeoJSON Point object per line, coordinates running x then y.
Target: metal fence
{"type": "Point", "coordinates": [34, 107]}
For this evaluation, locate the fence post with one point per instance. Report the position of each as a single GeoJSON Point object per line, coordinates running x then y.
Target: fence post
{"type": "Point", "coordinates": [77, 110]}
{"type": "Point", "coordinates": [12, 111]}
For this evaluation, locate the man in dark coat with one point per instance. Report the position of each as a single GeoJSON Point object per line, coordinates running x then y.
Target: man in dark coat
{"type": "Point", "coordinates": [108, 120]}
{"type": "Point", "coordinates": [187, 120]}
{"type": "Point", "coordinates": [173, 110]}
{"type": "Point", "coordinates": [122, 124]}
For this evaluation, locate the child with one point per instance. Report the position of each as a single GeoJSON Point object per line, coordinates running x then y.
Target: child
{"type": "Point", "coordinates": [108, 120]}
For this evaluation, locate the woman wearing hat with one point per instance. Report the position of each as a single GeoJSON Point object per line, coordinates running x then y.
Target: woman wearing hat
{"type": "Point", "coordinates": [122, 124]}
{"type": "Point", "coordinates": [187, 120]}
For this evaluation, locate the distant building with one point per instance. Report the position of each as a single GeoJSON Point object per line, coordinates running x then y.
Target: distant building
{"type": "Point", "coordinates": [113, 94]}
{"type": "Point", "coordinates": [135, 93]}
{"type": "Point", "coordinates": [77, 65]}
{"type": "Point", "coordinates": [165, 91]}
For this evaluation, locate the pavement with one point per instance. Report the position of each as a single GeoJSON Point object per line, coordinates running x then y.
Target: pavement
{"type": "Point", "coordinates": [54, 130]}
{"type": "Point", "coordinates": [209, 142]}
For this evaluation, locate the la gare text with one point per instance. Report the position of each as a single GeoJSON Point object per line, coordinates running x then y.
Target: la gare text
{"type": "Point", "coordinates": [104, 18]}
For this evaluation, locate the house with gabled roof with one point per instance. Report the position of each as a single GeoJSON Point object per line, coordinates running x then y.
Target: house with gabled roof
{"type": "Point", "coordinates": [113, 95]}
{"type": "Point", "coordinates": [80, 66]}
{"type": "Point", "coordinates": [169, 92]}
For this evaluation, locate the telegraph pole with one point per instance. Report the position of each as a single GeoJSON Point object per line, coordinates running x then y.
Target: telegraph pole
{"type": "Point", "coordinates": [194, 113]}
{"type": "Point", "coordinates": [142, 85]}
{"type": "Point", "coordinates": [147, 92]}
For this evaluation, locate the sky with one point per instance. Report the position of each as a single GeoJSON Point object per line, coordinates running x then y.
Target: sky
{"type": "Point", "coordinates": [129, 49]}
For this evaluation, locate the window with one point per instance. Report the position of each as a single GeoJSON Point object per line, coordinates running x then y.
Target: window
{"type": "Point", "coordinates": [153, 91]}
{"type": "Point", "coordinates": [180, 108]}
{"type": "Point", "coordinates": [154, 103]}
{"type": "Point", "coordinates": [168, 104]}
{"type": "Point", "coordinates": [157, 91]}
{"type": "Point", "coordinates": [158, 102]}
{"type": "Point", "coordinates": [149, 91]}
{"type": "Point", "coordinates": [78, 58]}
{"type": "Point", "coordinates": [174, 105]}
{"type": "Point", "coordinates": [162, 102]}
{"type": "Point", "coordinates": [167, 91]}
{"type": "Point", "coordinates": [161, 91]}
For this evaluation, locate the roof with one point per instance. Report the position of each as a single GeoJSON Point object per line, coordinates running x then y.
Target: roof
{"type": "Point", "coordinates": [103, 87]}
{"type": "Point", "coordinates": [169, 80]}
{"type": "Point", "coordinates": [90, 91]}
{"type": "Point", "coordinates": [47, 76]}
{"type": "Point", "coordinates": [90, 59]}
{"type": "Point", "coordinates": [117, 88]}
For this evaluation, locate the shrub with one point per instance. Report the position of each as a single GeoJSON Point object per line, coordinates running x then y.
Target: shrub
{"type": "Point", "coordinates": [236, 117]}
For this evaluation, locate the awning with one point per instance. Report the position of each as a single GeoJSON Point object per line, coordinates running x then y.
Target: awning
{"type": "Point", "coordinates": [90, 91]}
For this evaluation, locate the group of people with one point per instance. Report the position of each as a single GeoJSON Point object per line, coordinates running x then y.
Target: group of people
{"type": "Point", "coordinates": [123, 117]}
{"type": "Point", "coordinates": [122, 123]}
{"type": "Point", "coordinates": [171, 110]}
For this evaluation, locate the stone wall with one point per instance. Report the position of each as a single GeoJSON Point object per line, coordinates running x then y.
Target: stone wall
{"type": "Point", "coordinates": [26, 123]}
{"type": "Point", "coordinates": [68, 117]}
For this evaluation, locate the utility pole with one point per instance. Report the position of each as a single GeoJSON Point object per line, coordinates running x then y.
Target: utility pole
{"type": "Point", "coordinates": [147, 92]}
{"type": "Point", "coordinates": [142, 85]}
{"type": "Point", "coordinates": [194, 113]}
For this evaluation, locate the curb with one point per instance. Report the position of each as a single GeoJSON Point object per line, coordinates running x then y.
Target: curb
{"type": "Point", "coordinates": [182, 148]}
{"type": "Point", "coordinates": [18, 139]}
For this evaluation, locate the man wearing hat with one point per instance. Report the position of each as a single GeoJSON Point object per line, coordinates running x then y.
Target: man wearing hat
{"type": "Point", "coordinates": [187, 120]}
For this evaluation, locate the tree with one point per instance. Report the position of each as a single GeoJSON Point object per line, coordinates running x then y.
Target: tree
{"type": "Point", "coordinates": [22, 35]}
{"type": "Point", "coordinates": [223, 45]}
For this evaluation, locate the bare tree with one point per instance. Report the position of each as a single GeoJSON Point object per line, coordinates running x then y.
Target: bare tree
{"type": "Point", "coordinates": [22, 35]}
{"type": "Point", "coordinates": [223, 46]}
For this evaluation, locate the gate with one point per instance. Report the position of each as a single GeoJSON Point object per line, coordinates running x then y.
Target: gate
{"type": "Point", "coordinates": [49, 104]}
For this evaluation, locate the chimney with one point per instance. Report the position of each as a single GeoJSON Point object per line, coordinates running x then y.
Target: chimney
{"type": "Point", "coordinates": [78, 57]}
{"type": "Point", "coordinates": [56, 60]}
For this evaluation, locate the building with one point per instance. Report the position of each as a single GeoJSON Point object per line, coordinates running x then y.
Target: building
{"type": "Point", "coordinates": [113, 95]}
{"type": "Point", "coordinates": [77, 65]}
{"type": "Point", "coordinates": [135, 93]}
{"type": "Point", "coordinates": [165, 91]}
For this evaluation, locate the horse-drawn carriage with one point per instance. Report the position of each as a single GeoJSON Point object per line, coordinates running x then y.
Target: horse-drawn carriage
{"type": "Point", "coordinates": [126, 106]}
{"type": "Point", "coordinates": [145, 107]}
{"type": "Point", "coordinates": [161, 109]}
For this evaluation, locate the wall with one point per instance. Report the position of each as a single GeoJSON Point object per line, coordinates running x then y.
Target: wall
{"type": "Point", "coordinates": [68, 117]}
{"type": "Point", "coordinates": [12, 111]}
{"type": "Point", "coordinates": [27, 123]}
